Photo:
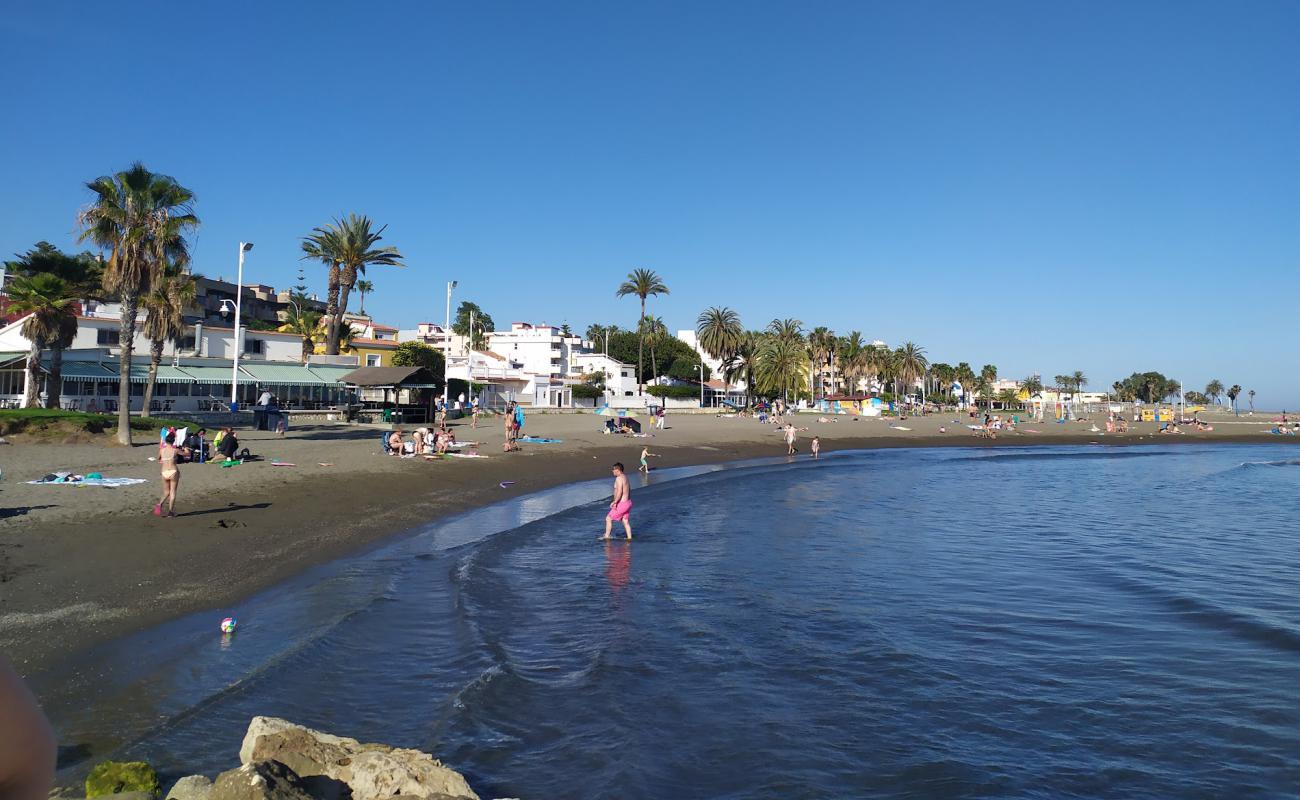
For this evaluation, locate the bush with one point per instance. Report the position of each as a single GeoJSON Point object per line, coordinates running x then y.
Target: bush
{"type": "Point", "coordinates": [114, 777]}
{"type": "Point", "coordinates": [36, 420]}
{"type": "Point", "coordinates": [588, 391]}
{"type": "Point", "coordinates": [675, 392]}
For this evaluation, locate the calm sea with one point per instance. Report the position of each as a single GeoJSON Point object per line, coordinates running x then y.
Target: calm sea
{"type": "Point", "coordinates": [1046, 622]}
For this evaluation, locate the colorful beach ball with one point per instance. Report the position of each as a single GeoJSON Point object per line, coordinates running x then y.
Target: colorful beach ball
{"type": "Point", "coordinates": [228, 625]}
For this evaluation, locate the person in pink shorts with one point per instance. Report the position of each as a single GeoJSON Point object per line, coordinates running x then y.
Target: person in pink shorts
{"type": "Point", "coordinates": [620, 509]}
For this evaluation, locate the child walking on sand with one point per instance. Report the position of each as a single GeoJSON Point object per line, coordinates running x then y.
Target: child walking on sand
{"type": "Point", "coordinates": [816, 447]}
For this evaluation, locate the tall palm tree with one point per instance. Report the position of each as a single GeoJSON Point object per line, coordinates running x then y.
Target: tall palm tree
{"type": "Point", "coordinates": [643, 283]}
{"type": "Point", "coordinates": [164, 321]}
{"type": "Point", "coordinates": [850, 351]}
{"type": "Point", "coordinates": [348, 246]}
{"type": "Point", "coordinates": [1232, 396]}
{"type": "Point", "coordinates": [821, 344]}
{"type": "Point", "coordinates": [911, 363]}
{"type": "Point", "coordinates": [306, 324]}
{"type": "Point", "coordinates": [790, 330]}
{"type": "Point", "coordinates": [1032, 385]}
{"type": "Point", "coordinates": [1213, 389]}
{"type": "Point", "coordinates": [654, 332]}
{"type": "Point", "coordinates": [742, 364]}
{"type": "Point", "coordinates": [1251, 396]}
{"type": "Point", "coordinates": [719, 332]}
{"type": "Point", "coordinates": [780, 367]}
{"type": "Point", "coordinates": [141, 218]}
{"type": "Point", "coordinates": [364, 287]}
{"type": "Point", "coordinates": [51, 322]}
{"type": "Point", "coordinates": [324, 245]}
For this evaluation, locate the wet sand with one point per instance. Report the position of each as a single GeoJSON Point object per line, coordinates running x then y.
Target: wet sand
{"type": "Point", "coordinates": [80, 565]}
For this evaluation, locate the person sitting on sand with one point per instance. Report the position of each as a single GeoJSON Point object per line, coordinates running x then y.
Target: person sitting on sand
{"type": "Point", "coordinates": [227, 443]}
{"type": "Point", "coordinates": [395, 442]}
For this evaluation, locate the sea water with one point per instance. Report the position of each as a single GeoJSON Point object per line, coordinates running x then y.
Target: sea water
{"type": "Point", "coordinates": [1046, 622]}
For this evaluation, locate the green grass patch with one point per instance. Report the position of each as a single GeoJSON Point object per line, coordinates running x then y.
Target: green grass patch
{"type": "Point", "coordinates": [57, 422]}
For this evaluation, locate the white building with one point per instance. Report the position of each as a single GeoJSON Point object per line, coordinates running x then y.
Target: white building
{"type": "Point", "coordinates": [435, 335]}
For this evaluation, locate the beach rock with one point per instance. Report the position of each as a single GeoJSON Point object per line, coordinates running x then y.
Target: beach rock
{"type": "Point", "coordinates": [365, 771]}
{"type": "Point", "coordinates": [265, 780]}
{"type": "Point", "coordinates": [193, 787]}
{"type": "Point", "coordinates": [120, 777]}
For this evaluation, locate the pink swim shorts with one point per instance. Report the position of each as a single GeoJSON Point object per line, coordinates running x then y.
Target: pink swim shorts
{"type": "Point", "coordinates": [621, 511]}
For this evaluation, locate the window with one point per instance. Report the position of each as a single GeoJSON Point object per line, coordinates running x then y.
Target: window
{"type": "Point", "coordinates": [254, 347]}
{"type": "Point", "coordinates": [187, 342]}
{"type": "Point", "coordinates": [627, 373]}
{"type": "Point", "coordinates": [372, 360]}
{"type": "Point", "coordinates": [627, 394]}
{"type": "Point", "coordinates": [106, 337]}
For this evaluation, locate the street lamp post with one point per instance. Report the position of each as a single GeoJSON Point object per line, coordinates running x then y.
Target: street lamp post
{"type": "Point", "coordinates": [446, 361]}
{"type": "Point", "coordinates": [244, 247]}
{"type": "Point", "coordinates": [701, 366]}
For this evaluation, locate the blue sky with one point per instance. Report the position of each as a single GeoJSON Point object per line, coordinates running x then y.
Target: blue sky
{"type": "Point", "coordinates": [1044, 186]}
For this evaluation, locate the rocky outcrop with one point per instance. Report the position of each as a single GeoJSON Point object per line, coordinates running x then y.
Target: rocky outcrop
{"type": "Point", "coordinates": [195, 787]}
{"type": "Point", "coordinates": [266, 780]}
{"type": "Point", "coordinates": [338, 768]}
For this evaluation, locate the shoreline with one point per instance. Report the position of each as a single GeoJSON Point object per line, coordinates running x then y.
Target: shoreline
{"type": "Point", "coordinates": [131, 571]}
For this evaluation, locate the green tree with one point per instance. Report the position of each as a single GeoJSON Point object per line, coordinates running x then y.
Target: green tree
{"type": "Point", "coordinates": [164, 322]}
{"type": "Point", "coordinates": [348, 245]}
{"type": "Point", "coordinates": [789, 330]}
{"type": "Point", "coordinates": [1213, 389]}
{"type": "Point", "coordinates": [482, 323]}
{"type": "Point", "coordinates": [419, 354]}
{"type": "Point", "coordinates": [1008, 398]}
{"type": "Point", "coordinates": [1033, 385]}
{"type": "Point", "coordinates": [821, 344]}
{"type": "Point", "coordinates": [1251, 396]}
{"type": "Point", "coordinates": [141, 218]}
{"type": "Point", "coordinates": [719, 332]}
{"type": "Point", "coordinates": [364, 287]}
{"type": "Point", "coordinates": [642, 283]}
{"type": "Point", "coordinates": [742, 364]}
{"type": "Point", "coordinates": [780, 367]}
{"type": "Point", "coordinates": [1232, 396]}
{"type": "Point", "coordinates": [653, 333]}
{"type": "Point", "coordinates": [84, 273]}
{"type": "Point", "coordinates": [910, 364]}
{"type": "Point", "coordinates": [306, 324]}
{"type": "Point", "coordinates": [46, 301]}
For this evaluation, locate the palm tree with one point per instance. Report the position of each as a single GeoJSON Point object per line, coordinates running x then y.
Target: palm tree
{"type": "Point", "coordinates": [780, 368]}
{"type": "Point", "coordinates": [165, 321]}
{"type": "Point", "coordinates": [790, 330]}
{"type": "Point", "coordinates": [141, 218]}
{"type": "Point", "coordinates": [306, 324]}
{"type": "Point", "coordinates": [1032, 385]}
{"type": "Point", "coordinates": [1078, 380]}
{"type": "Point", "coordinates": [348, 246]}
{"type": "Point", "coordinates": [850, 349]}
{"type": "Point", "coordinates": [643, 283]}
{"type": "Point", "coordinates": [1213, 389]}
{"type": "Point", "coordinates": [742, 363]}
{"type": "Point", "coordinates": [821, 344]}
{"type": "Point", "coordinates": [719, 332]}
{"type": "Point", "coordinates": [1251, 396]}
{"type": "Point", "coordinates": [323, 244]}
{"type": "Point", "coordinates": [654, 332]}
{"type": "Point", "coordinates": [910, 364]}
{"type": "Point", "coordinates": [51, 322]}
{"type": "Point", "coordinates": [364, 287]}
{"type": "Point", "coordinates": [1232, 396]}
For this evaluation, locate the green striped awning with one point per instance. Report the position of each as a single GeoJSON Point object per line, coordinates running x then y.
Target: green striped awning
{"type": "Point", "coordinates": [85, 371]}
{"type": "Point", "coordinates": [166, 374]}
{"type": "Point", "coordinates": [208, 374]}
{"type": "Point", "coordinates": [12, 355]}
{"type": "Point", "coordinates": [283, 375]}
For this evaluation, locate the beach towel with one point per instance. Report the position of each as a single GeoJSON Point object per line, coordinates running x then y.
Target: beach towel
{"type": "Point", "coordinates": [464, 455]}
{"type": "Point", "coordinates": [519, 417]}
{"type": "Point", "coordinates": [539, 440]}
{"type": "Point", "coordinates": [77, 480]}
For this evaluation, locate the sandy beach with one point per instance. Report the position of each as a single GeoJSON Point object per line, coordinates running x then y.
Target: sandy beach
{"type": "Point", "coordinates": [79, 565]}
